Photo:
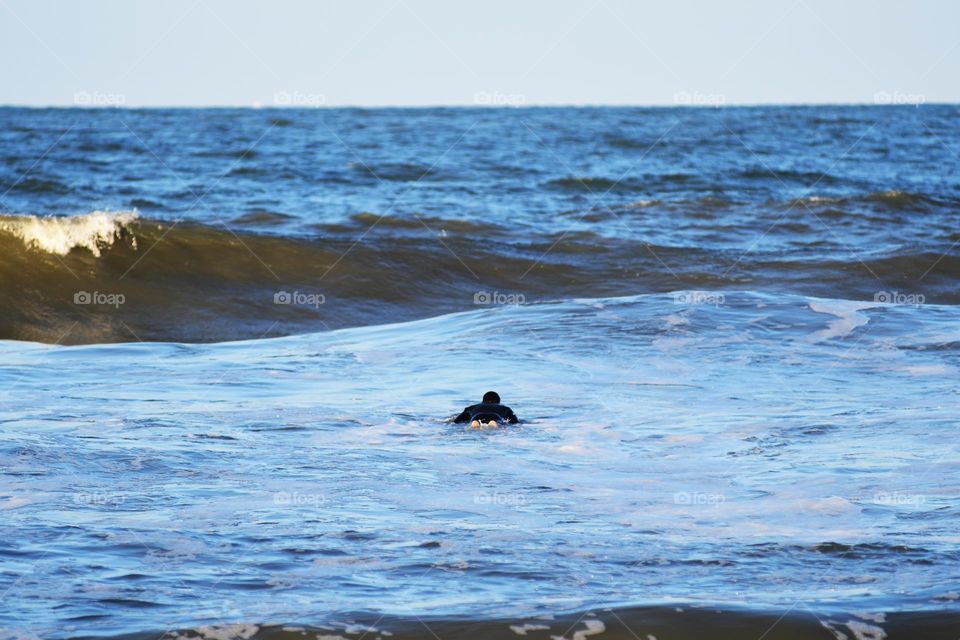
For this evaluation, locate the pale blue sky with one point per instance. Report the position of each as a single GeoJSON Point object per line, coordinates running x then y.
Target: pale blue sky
{"type": "Point", "coordinates": [429, 52]}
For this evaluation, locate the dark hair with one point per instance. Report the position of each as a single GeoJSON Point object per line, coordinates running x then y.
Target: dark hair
{"type": "Point", "coordinates": [491, 397]}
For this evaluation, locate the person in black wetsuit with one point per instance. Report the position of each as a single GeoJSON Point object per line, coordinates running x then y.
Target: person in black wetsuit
{"type": "Point", "coordinates": [489, 412]}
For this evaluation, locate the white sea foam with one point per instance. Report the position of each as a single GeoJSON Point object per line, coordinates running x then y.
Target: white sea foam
{"type": "Point", "coordinates": [13, 502]}
{"type": "Point", "coordinates": [594, 627]}
{"type": "Point", "coordinates": [871, 617]}
{"type": "Point", "coordinates": [848, 317]}
{"type": "Point", "coordinates": [864, 631]}
{"type": "Point", "coordinates": [521, 630]}
{"type": "Point", "coordinates": [696, 448]}
{"type": "Point", "coordinates": [237, 631]}
{"type": "Point", "coordinates": [59, 235]}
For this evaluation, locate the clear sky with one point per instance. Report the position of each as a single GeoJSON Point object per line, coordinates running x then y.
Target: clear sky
{"type": "Point", "coordinates": [430, 52]}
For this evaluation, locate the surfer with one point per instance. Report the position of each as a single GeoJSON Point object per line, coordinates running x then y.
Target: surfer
{"type": "Point", "coordinates": [489, 412]}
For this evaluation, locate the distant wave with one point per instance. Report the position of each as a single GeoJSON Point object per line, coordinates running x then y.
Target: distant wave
{"type": "Point", "coordinates": [623, 184]}
{"type": "Point", "coordinates": [891, 198]}
{"type": "Point", "coordinates": [38, 186]}
{"type": "Point", "coordinates": [787, 175]}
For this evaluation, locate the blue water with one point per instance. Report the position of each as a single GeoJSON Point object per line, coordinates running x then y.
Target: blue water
{"type": "Point", "coordinates": [738, 388]}
{"type": "Point", "coordinates": [513, 167]}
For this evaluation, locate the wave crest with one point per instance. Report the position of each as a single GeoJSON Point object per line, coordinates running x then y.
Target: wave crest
{"type": "Point", "coordinates": [94, 231]}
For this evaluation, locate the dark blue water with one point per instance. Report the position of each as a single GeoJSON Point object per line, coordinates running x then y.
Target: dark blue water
{"type": "Point", "coordinates": [732, 335]}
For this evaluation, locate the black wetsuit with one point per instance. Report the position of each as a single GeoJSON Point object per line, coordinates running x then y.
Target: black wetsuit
{"type": "Point", "coordinates": [487, 411]}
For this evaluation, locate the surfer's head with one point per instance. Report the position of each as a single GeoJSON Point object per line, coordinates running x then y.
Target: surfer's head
{"type": "Point", "coordinates": [491, 397]}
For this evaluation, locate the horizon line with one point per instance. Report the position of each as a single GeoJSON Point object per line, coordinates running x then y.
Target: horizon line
{"type": "Point", "coordinates": [464, 105]}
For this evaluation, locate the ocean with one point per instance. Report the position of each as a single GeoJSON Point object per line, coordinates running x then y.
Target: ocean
{"type": "Point", "coordinates": [231, 340]}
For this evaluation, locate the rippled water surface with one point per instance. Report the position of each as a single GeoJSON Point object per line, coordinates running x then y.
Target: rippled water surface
{"type": "Point", "coordinates": [735, 361]}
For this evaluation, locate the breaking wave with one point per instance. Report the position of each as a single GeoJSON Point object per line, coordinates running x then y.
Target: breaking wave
{"type": "Point", "coordinates": [188, 282]}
